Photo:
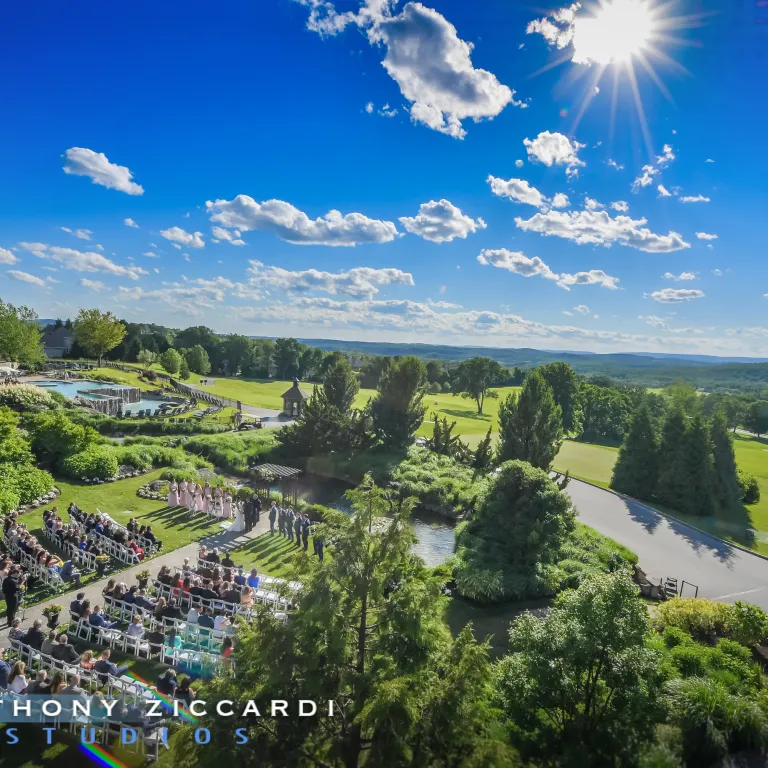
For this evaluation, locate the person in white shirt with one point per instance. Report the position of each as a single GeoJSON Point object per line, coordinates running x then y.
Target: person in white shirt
{"type": "Point", "coordinates": [136, 629]}
{"type": "Point", "coordinates": [192, 616]}
{"type": "Point", "coordinates": [17, 682]}
{"type": "Point", "coordinates": [220, 623]}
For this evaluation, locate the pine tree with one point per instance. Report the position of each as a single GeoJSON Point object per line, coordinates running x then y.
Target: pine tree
{"type": "Point", "coordinates": [341, 385]}
{"type": "Point", "coordinates": [727, 487]}
{"type": "Point", "coordinates": [483, 454]}
{"type": "Point", "coordinates": [674, 480]}
{"type": "Point", "coordinates": [636, 472]}
{"type": "Point", "coordinates": [398, 408]}
{"type": "Point", "coordinates": [531, 424]}
{"type": "Point", "coordinates": [697, 456]}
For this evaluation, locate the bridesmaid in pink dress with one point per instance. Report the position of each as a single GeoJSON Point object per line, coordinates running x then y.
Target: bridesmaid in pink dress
{"type": "Point", "coordinates": [207, 499]}
{"type": "Point", "coordinates": [173, 495]}
{"type": "Point", "coordinates": [199, 503]}
{"type": "Point", "coordinates": [191, 491]}
{"type": "Point", "coordinates": [227, 513]}
{"type": "Point", "coordinates": [183, 497]}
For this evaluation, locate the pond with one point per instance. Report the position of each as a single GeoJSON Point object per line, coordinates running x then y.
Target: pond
{"type": "Point", "coordinates": [70, 390]}
{"type": "Point", "coordinates": [434, 533]}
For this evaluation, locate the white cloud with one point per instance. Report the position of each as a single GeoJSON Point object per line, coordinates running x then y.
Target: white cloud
{"type": "Point", "coordinates": [224, 234]}
{"type": "Point", "coordinates": [705, 236]}
{"type": "Point", "coordinates": [556, 28]}
{"type": "Point", "coordinates": [519, 163]}
{"type": "Point", "coordinates": [99, 247]}
{"type": "Point", "coordinates": [79, 261]}
{"type": "Point", "coordinates": [387, 111]}
{"type": "Point", "coordinates": [681, 276]}
{"type": "Point", "coordinates": [294, 226]}
{"type": "Point", "coordinates": [520, 264]}
{"type": "Point", "coordinates": [85, 162]}
{"type": "Point", "coordinates": [663, 191]}
{"type": "Point", "coordinates": [592, 205]}
{"type": "Point", "coordinates": [709, 160]}
{"type": "Point", "coordinates": [81, 234]}
{"type": "Point", "coordinates": [582, 309]}
{"type": "Point", "coordinates": [596, 90]}
{"type": "Point", "coordinates": [620, 205]}
{"type": "Point", "coordinates": [666, 157]}
{"type": "Point", "coordinates": [25, 277]}
{"type": "Point", "coordinates": [717, 272]}
{"type": "Point", "coordinates": [179, 235]}
{"type": "Point", "coordinates": [560, 200]}
{"type": "Point", "coordinates": [441, 222]}
{"type": "Point", "coordinates": [646, 179]}
{"type": "Point", "coordinates": [130, 223]}
{"type": "Point", "coordinates": [615, 165]}
{"type": "Point", "coordinates": [6, 257]}
{"type": "Point", "coordinates": [150, 255]}
{"type": "Point", "coordinates": [599, 228]}
{"type": "Point", "coordinates": [676, 295]}
{"type": "Point", "coordinates": [186, 297]}
{"type": "Point", "coordinates": [554, 149]}
{"type": "Point", "coordinates": [369, 107]}
{"type": "Point", "coordinates": [518, 190]}
{"type": "Point", "coordinates": [360, 282]}
{"type": "Point", "coordinates": [93, 285]}
{"type": "Point", "coordinates": [696, 199]}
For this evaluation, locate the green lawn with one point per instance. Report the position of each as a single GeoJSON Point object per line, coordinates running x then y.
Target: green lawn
{"type": "Point", "coordinates": [594, 463]}
{"type": "Point", "coordinates": [270, 554]}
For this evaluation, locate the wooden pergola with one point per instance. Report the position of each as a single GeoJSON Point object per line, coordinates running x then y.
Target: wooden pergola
{"type": "Point", "coordinates": [287, 477]}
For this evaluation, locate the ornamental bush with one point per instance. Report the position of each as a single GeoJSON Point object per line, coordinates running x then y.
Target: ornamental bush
{"type": "Point", "coordinates": [9, 499]}
{"type": "Point", "coordinates": [704, 619]}
{"type": "Point", "coordinates": [96, 461]}
{"type": "Point", "coordinates": [750, 488]}
{"type": "Point", "coordinates": [27, 480]}
{"type": "Point", "coordinates": [25, 397]}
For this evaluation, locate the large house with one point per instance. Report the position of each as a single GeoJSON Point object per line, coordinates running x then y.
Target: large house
{"type": "Point", "coordinates": [57, 341]}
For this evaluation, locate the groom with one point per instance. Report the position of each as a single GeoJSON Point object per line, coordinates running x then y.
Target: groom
{"type": "Point", "coordinates": [248, 515]}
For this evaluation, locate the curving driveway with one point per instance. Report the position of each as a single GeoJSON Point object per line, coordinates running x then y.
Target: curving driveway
{"type": "Point", "coordinates": [668, 548]}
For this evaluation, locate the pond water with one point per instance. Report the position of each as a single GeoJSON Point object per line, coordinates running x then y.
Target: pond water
{"type": "Point", "coordinates": [70, 390]}
{"type": "Point", "coordinates": [434, 533]}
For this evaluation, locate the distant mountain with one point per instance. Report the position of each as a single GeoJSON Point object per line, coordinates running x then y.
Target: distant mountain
{"type": "Point", "coordinates": [42, 323]}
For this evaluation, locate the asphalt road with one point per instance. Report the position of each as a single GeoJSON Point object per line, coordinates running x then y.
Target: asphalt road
{"type": "Point", "coordinates": [667, 548]}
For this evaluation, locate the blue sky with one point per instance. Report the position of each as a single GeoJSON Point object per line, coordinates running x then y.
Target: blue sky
{"type": "Point", "coordinates": [445, 136]}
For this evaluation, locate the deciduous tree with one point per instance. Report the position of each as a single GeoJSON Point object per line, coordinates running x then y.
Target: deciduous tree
{"type": "Point", "coordinates": [474, 377]}
{"type": "Point", "coordinates": [97, 332]}
{"type": "Point", "coordinates": [171, 361]}
{"type": "Point", "coordinates": [564, 383]}
{"type": "Point", "coordinates": [197, 360]}
{"type": "Point", "coordinates": [20, 335]}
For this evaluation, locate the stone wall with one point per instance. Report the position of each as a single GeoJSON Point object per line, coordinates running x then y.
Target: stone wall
{"type": "Point", "coordinates": [126, 394]}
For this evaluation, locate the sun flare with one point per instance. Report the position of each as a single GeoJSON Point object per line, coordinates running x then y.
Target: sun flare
{"type": "Point", "coordinates": [620, 30]}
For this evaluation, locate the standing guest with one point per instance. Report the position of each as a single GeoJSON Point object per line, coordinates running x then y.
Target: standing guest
{"type": "Point", "coordinates": [298, 525]}
{"type": "Point", "coordinates": [208, 499]}
{"type": "Point", "coordinates": [305, 532]}
{"type": "Point", "coordinates": [183, 498]}
{"type": "Point", "coordinates": [199, 504]}
{"type": "Point", "coordinates": [272, 517]}
{"type": "Point", "coordinates": [12, 593]}
{"type": "Point", "coordinates": [17, 681]}
{"type": "Point", "coordinates": [319, 544]}
{"type": "Point", "coordinates": [289, 518]}
{"type": "Point", "coordinates": [173, 494]}
{"type": "Point", "coordinates": [281, 518]}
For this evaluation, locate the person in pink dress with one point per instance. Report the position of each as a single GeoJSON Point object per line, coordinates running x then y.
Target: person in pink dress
{"type": "Point", "coordinates": [227, 510]}
{"type": "Point", "coordinates": [173, 495]}
{"type": "Point", "coordinates": [183, 496]}
{"type": "Point", "coordinates": [191, 491]}
{"type": "Point", "coordinates": [199, 503]}
{"type": "Point", "coordinates": [207, 498]}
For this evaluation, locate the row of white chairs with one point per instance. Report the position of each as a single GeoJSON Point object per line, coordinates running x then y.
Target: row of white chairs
{"type": "Point", "coordinates": [86, 560]}
{"type": "Point", "coordinates": [147, 545]}
{"type": "Point", "coordinates": [50, 577]}
{"type": "Point", "coordinates": [112, 548]}
{"type": "Point", "coordinates": [272, 581]}
{"type": "Point", "coordinates": [266, 597]}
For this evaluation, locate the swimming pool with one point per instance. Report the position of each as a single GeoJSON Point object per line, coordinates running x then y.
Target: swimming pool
{"type": "Point", "coordinates": [70, 390]}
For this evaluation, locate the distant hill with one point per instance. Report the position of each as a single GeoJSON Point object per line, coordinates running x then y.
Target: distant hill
{"type": "Point", "coordinates": [42, 323]}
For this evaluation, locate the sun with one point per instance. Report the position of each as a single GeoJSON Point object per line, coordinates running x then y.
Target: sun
{"type": "Point", "coordinates": [619, 31]}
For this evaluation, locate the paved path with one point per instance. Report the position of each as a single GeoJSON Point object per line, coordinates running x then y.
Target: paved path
{"type": "Point", "coordinates": [222, 538]}
{"type": "Point", "coordinates": [668, 548]}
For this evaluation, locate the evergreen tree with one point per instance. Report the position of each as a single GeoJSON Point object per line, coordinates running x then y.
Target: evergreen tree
{"type": "Point", "coordinates": [368, 635]}
{"type": "Point", "coordinates": [483, 453]}
{"type": "Point", "coordinates": [636, 471]}
{"type": "Point", "coordinates": [727, 487]}
{"type": "Point", "coordinates": [565, 389]}
{"type": "Point", "coordinates": [341, 385]}
{"type": "Point", "coordinates": [398, 408]}
{"type": "Point", "coordinates": [674, 480]}
{"type": "Point", "coordinates": [700, 469]}
{"type": "Point", "coordinates": [531, 424]}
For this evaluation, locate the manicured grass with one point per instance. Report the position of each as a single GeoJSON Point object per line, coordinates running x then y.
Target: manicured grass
{"type": "Point", "coordinates": [587, 461]}
{"type": "Point", "coordinates": [271, 554]}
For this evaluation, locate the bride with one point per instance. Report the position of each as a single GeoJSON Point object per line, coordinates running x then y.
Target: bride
{"type": "Point", "coordinates": [239, 524]}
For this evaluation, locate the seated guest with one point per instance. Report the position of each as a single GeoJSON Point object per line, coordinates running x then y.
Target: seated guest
{"type": "Point", "coordinates": [228, 562]}
{"type": "Point", "coordinates": [205, 619]}
{"type": "Point", "coordinates": [207, 593]}
{"type": "Point", "coordinates": [57, 683]}
{"type": "Point", "coordinates": [74, 689]}
{"type": "Point", "coordinates": [130, 596]}
{"type": "Point", "coordinates": [150, 536]}
{"type": "Point", "coordinates": [97, 619]}
{"type": "Point", "coordinates": [87, 661]}
{"type": "Point", "coordinates": [109, 589]}
{"type": "Point", "coordinates": [220, 623]}
{"type": "Point", "coordinates": [171, 611]}
{"type": "Point", "coordinates": [160, 606]}
{"type": "Point", "coordinates": [85, 609]}
{"type": "Point", "coordinates": [246, 597]}
{"type": "Point", "coordinates": [16, 632]}
{"type": "Point", "coordinates": [34, 637]}
{"type": "Point", "coordinates": [213, 556]}
{"type": "Point", "coordinates": [172, 639]}
{"type": "Point", "coordinates": [192, 615]}
{"type": "Point", "coordinates": [253, 579]}
{"type": "Point", "coordinates": [226, 647]}
{"type": "Point", "coordinates": [167, 683]}
{"type": "Point", "coordinates": [136, 628]}
{"type": "Point", "coordinates": [185, 566]}
{"type": "Point", "coordinates": [164, 577]}
{"type": "Point", "coordinates": [105, 667]}
{"type": "Point", "coordinates": [230, 593]}
{"type": "Point", "coordinates": [133, 546]}
{"type": "Point", "coordinates": [143, 601]}
{"type": "Point", "coordinates": [49, 643]}
{"type": "Point", "coordinates": [17, 681]}
{"type": "Point", "coordinates": [69, 573]}
{"type": "Point", "coordinates": [240, 579]}
{"type": "Point", "coordinates": [132, 526]}
{"type": "Point", "coordinates": [76, 604]}
{"type": "Point", "coordinates": [184, 693]}
{"type": "Point", "coordinates": [40, 684]}
{"type": "Point", "coordinates": [5, 671]}
{"type": "Point", "coordinates": [65, 652]}
{"type": "Point", "coordinates": [155, 640]}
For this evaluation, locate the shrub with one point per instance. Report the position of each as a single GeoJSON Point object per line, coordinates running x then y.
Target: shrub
{"type": "Point", "coordinates": [690, 659]}
{"type": "Point", "coordinates": [9, 499]}
{"type": "Point", "coordinates": [749, 624]}
{"type": "Point", "coordinates": [56, 435]}
{"type": "Point", "coordinates": [434, 388]}
{"type": "Point", "coordinates": [750, 488]}
{"type": "Point", "coordinates": [26, 480]}
{"type": "Point", "coordinates": [674, 636]}
{"type": "Point", "coordinates": [26, 397]}
{"type": "Point", "coordinates": [233, 452]}
{"type": "Point", "coordinates": [96, 461]}
{"type": "Point", "coordinates": [704, 619]}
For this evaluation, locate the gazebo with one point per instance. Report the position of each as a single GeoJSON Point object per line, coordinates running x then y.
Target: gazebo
{"type": "Point", "coordinates": [265, 475]}
{"type": "Point", "coordinates": [293, 400]}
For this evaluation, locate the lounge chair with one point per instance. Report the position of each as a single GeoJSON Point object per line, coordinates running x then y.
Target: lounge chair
{"type": "Point", "coordinates": [157, 411]}
{"type": "Point", "coordinates": [127, 414]}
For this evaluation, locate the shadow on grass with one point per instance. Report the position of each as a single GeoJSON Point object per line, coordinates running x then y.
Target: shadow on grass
{"type": "Point", "coordinates": [466, 414]}
{"type": "Point", "coordinates": [177, 517]}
